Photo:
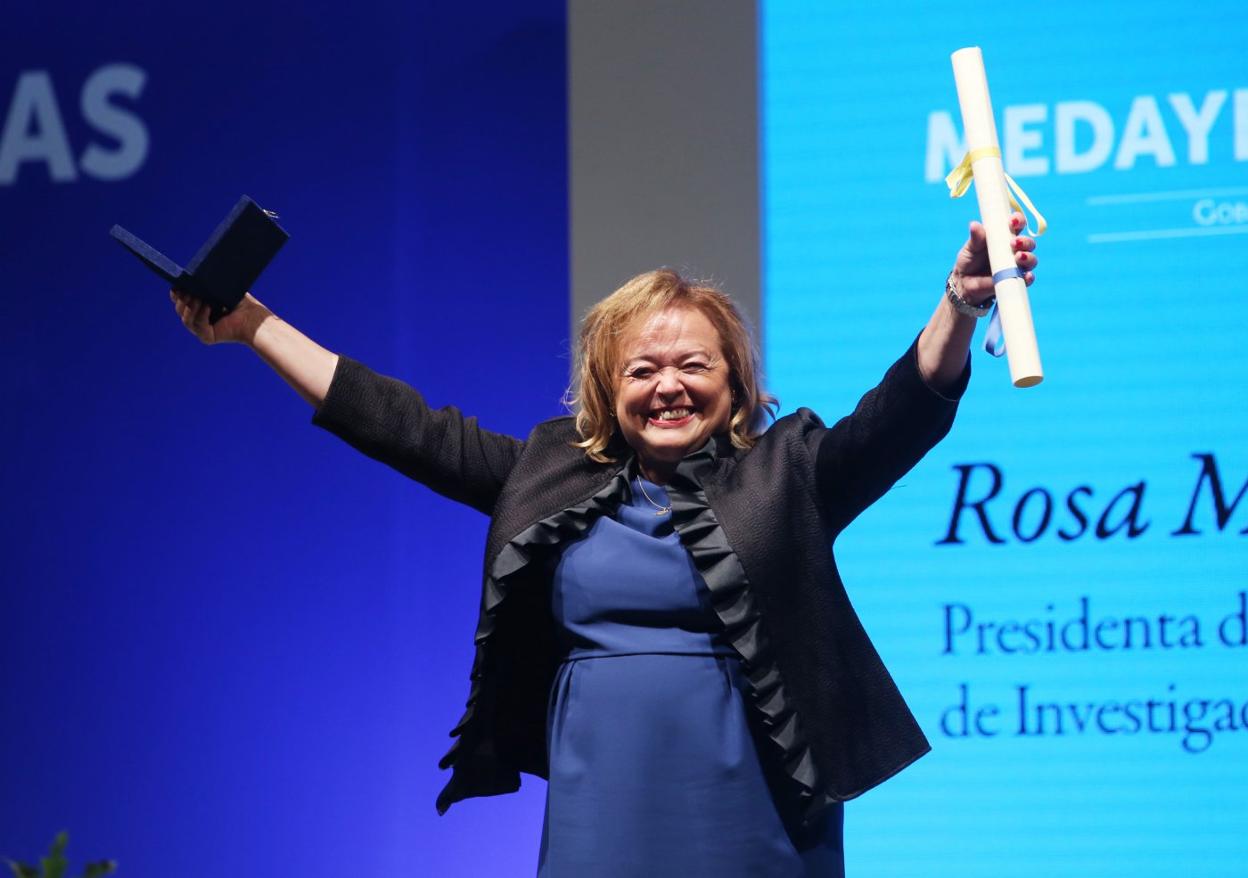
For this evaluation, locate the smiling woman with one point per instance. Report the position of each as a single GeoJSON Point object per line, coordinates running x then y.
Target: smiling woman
{"type": "Point", "coordinates": [663, 633]}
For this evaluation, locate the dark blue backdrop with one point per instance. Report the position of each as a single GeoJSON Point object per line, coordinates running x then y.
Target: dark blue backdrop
{"type": "Point", "coordinates": [230, 644]}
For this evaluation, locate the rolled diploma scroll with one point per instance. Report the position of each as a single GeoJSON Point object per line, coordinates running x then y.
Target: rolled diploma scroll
{"type": "Point", "coordinates": [994, 210]}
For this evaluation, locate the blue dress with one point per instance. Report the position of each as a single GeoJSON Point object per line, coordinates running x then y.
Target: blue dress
{"type": "Point", "coordinates": [654, 770]}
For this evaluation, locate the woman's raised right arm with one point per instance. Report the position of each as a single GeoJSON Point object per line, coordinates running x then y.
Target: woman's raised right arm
{"type": "Point", "coordinates": [380, 416]}
{"type": "Point", "coordinates": [302, 363]}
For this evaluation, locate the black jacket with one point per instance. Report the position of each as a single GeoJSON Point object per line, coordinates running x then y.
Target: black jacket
{"type": "Point", "coordinates": [763, 518]}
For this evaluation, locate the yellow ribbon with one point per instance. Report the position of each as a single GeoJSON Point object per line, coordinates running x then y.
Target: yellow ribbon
{"type": "Point", "coordinates": [959, 180]}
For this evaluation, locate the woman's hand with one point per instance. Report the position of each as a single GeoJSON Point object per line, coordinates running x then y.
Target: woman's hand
{"type": "Point", "coordinates": [238, 326]}
{"type": "Point", "coordinates": [946, 341]}
{"type": "Point", "coordinates": [971, 274]}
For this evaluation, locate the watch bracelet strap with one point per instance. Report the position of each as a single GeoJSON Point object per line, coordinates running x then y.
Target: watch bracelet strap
{"type": "Point", "coordinates": [964, 307]}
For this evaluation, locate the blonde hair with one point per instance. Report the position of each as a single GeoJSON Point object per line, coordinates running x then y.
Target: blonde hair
{"type": "Point", "coordinates": [591, 397]}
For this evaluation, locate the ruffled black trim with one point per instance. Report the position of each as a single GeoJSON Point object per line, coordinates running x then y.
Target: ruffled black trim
{"type": "Point", "coordinates": [731, 599]}
{"type": "Point", "coordinates": [561, 528]}
{"type": "Point", "coordinates": [725, 578]}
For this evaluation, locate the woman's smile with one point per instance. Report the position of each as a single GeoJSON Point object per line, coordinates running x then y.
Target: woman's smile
{"type": "Point", "coordinates": [673, 417]}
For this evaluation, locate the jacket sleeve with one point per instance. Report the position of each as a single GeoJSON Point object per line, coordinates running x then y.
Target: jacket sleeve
{"type": "Point", "coordinates": [862, 455]}
{"type": "Point", "coordinates": [440, 448]}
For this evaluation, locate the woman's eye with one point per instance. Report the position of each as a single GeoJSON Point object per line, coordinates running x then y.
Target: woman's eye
{"type": "Point", "coordinates": [695, 367]}
{"type": "Point", "coordinates": [640, 373]}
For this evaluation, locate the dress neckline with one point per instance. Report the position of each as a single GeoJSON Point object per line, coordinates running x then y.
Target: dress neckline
{"type": "Point", "coordinates": [691, 470]}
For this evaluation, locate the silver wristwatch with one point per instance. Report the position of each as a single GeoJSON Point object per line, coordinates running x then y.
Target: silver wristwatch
{"type": "Point", "coordinates": [961, 305]}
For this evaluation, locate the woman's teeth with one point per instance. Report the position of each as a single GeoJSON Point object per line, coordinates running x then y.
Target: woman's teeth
{"type": "Point", "coordinates": [673, 414]}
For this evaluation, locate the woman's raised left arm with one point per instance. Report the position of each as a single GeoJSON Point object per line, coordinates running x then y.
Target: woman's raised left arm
{"type": "Point", "coordinates": [859, 457]}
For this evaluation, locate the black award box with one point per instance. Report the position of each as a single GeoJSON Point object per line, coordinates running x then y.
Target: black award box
{"type": "Point", "coordinates": [229, 262]}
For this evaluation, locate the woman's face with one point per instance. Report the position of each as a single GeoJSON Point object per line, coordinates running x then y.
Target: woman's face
{"type": "Point", "coordinates": [672, 391]}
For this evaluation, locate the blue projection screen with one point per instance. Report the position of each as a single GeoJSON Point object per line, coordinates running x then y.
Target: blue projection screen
{"type": "Point", "coordinates": [1059, 588]}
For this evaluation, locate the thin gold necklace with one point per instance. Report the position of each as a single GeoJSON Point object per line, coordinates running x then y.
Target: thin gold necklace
{"type": "Point", "coordinates": [662, 510]}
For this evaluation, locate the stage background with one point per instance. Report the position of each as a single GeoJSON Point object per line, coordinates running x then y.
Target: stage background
{"type": "Point", "coordinates": [1140, 311]}
{"type": "Point", "coordinates": [232, 645]}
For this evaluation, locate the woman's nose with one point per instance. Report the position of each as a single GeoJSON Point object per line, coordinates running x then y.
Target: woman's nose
{"type": "Point", "coordinates": [669, 382]}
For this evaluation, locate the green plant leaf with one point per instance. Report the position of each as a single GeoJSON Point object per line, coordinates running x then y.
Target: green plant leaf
{"type": "Point", "coordinates": [100, 867]}
{"type": "Point", "coordinates": [23, 870]}
{"type": "Point", "coordinates": [55, 864]}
